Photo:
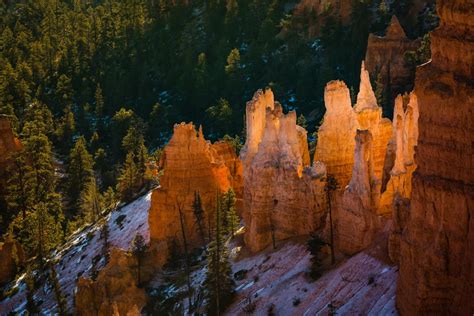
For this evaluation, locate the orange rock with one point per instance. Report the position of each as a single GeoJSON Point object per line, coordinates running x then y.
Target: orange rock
{"type": "Point", "coordinates": [369, 116]}
{"type": "Point", "coordinates": [114, 292]}
{"type": "Point", "coordinates": [12, 258]}
{"type": "Point", "coordinates": [385, 55]}
{"type": "Point", "coordinates": [191, 164]}
{"type": "Point", "coordinates": [437, 244]}
{"type": "Point", "coordinates": [355, 221]}
{"type": "Point", "coordinates": [282, 198]}
{"type": "Point", "coordinates": [335, 147]}
{"type": "Point", "coordinates": [404, 140]}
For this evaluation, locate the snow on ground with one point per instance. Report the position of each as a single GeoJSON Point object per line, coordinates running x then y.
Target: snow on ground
{"type": "Point", "coordinates": [75, 257]}
{"type": "Point", "coordinates": [277, 280]}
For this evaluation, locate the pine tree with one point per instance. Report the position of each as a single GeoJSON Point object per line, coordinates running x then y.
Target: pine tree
{"type": "Point", "coordinates": [199, 213]}
{"type": "Point", "coordinates": [314, 245]}
{"type": "Point", "coordinates": [80, 171]}
{"type": "Point", "coordinates": [60, 298]}
{"type": "Point", "coordinates": [219, 282]}
{"type": "Point", "coordinates": [91, 202]}
{"type": "Point", "coordinates": [230, 219]}
{"type": "Point", "coordinates": [331, 186]}
{"type": "Point", "coordinates": [127, 182]}
{"type": "Point", "coordinates": [138, 249]}
{"type": "Point", "coordinates": [66, 129]}
{"type": "Point", "coordinates": [31, 306]}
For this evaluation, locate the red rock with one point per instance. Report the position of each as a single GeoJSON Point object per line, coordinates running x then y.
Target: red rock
{"type": "Point", "coordinates": [12, 258]}
{"type": "Point", "coordinates": [385, 55]}
{"type": "Point", "coordinates": [283, 197]}
{"type": "Point", "coordinates": [114, 292]}
{"type": "Point", "coordinates": [191, 164]}
{"type": "Point", "coordinates": [437, 245]}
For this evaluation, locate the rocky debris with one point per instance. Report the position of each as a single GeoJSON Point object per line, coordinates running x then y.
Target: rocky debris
{"type": "Point", "coordinates": [114, 292]}
{"type": "Point", "coordinates": [12, 259]}
{"type": "Point", "coordinates": [369, 116]}
{"type": "Point", "coordinates": [336, 144]}
{"type": "Point", "coordinates": [385, 56]}
{"type": "Point", "coordinates": [355, 221]}
{"type": "Point", "coordinates": [283, 197]}
{"type": "Point", "coordinates": [191, 165]}
{"type": "Point", "coordinates": [437, 244]}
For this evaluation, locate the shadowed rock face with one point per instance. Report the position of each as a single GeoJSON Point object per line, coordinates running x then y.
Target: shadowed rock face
{"type": "Point", "coordinates": [191, 164]}
{"type": "Point", "coordinates": [385, 55]}
{"type": "Point", "coordinates": [114, 292]}
{"type": "Point", "coordinates": [437, 246]}
{"type": "Point", "coordinates": [12, 258]}
{"type": "Point", "coordinates": [283, 197]}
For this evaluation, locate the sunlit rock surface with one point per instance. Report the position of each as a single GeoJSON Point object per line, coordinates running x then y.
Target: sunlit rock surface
{"type": "Point", "coordinates": [115, 291]}
{"type": "Point", "coordinates": [336, 142]}
{"type": "Point", "coordinates": [191, 164]}
{"type": "Point", "coordinates": [283, 197]}
{"type": "Point", "coordinates": [437, 245]}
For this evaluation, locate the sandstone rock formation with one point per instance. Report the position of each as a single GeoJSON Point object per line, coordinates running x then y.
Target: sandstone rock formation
{"type": "Point", "coordinates": [191, 164]}
{"type": "Point", "coordinates": [403, 142]}
{"type": "Point", "coordinates": [12, 258]}
{"type": "Point", "coordinates": [283, 197]}
{"type": "Point", "coordinates": [335, 147]}
{"type": "Point", "coordinates": [321, 9]}
{"type": "Point", "coordinates": [437, 245]}
{"type": "Point", "coordinates": [369, 116]}
{"type": "Point", "coordinates": [385, 55]}
{"type": "Point", "coordinates": [114, 292]}
{"type": "Point", "coordinates": [8, 142]}
{"type": "Point", "coordinates": [355, 217]}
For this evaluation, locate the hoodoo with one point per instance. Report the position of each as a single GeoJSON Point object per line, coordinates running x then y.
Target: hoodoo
{"type": "Point", "coordinates": [385, 56]}
{"type": "Point", "coordinates": [283, 197]}
{"type": "Point", "coordinates": [192, 166]}
{"type": "Point", "coordinates": [437, 245]}
{"type": "Point", "coordinates": [336, 143]}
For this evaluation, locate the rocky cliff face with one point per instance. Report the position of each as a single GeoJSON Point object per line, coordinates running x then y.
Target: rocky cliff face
{"type": "Point", "coordinates": [12, 258]}
{"type": "Point", "coordinates": [114, 292]}
{"type": "Point", "coordinates": [8, 142]}
{"type": "Point", "coordinates": [385, 55]}
{"type": "Point", "coordinates": [437, 246]}
{"type": "Point", "coordinates": [336, 143]}
{"type": "Point", "coordinates": [369, 116]}
{"type": "Point", "coordinates": [191, 164]}
{"type": "Point", "coordinates": [283, 197]}
{"type": "Point", "coordinates": [355, 219]}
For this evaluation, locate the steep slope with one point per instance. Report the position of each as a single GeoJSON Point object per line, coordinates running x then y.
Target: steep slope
{"type": "Point", "coordinates": [277, 280]}
{"type": "Point", "coordinates": [76, 257]}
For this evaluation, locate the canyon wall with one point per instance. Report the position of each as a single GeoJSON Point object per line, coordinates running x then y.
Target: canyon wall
{"type": "Point", "coordinates": [385, 55]}
{"type": "Point", "coordinates": [437, 244]}
{"type": "Point", "coordinates": [283, 196]}
{"type": "Point", "coordinates": [115, 290]}
{"type": "Point", "coordinates": [12, 259]}
{"type": "Point", "coordinates": [191, 164]}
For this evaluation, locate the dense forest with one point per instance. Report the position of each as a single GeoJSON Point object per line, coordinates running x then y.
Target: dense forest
{"type": "Point", "coordinates": [93, 88]}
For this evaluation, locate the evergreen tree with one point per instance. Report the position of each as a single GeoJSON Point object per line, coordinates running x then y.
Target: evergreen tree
{"type": "Point", "coordinates": [230, 219]}
{"type": "Point", "coordinates": [199, 213]}
{"type": "Point", "coordinates": [127, 182]}
{"type": "Point", "coordinates": [219, 282]}
{"type": "Point", "coordinates": [67, 127]}
{"type": "Point", "coordinates": [91, 202]}
{"type": "Point", "coordinates": [80, 171]}
{"type": "Point", "coordinates": [314, 245]}
{"type": "Point", "coordinates": [31, 306]}
{"type": "Point", "coordinates": [60, 298]}
{"type": "Point", "coordinates": [331, 186]}
{"type": "Point", "coordinates": [138, 249]}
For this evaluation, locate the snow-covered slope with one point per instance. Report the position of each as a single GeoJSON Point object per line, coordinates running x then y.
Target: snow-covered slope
{"type": "Point", "coordinates": [75, 258]}
{"type": "Point", "coordinates": [277, 280]}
